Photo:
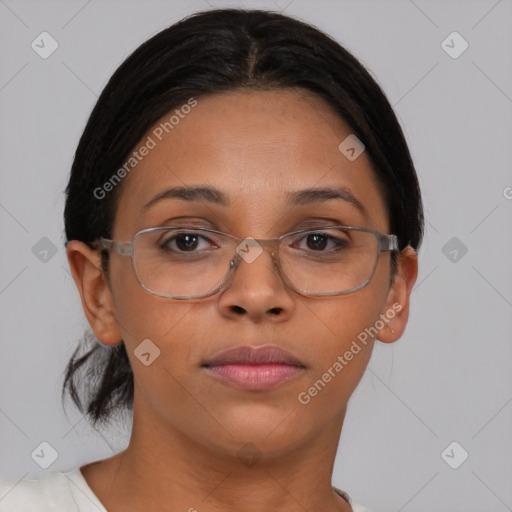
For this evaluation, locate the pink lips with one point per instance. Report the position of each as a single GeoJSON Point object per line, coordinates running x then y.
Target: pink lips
{"type": "Point", "coordinates": [254, 368]}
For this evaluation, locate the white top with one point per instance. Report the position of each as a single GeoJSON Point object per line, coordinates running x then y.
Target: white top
{"type": "Point", "coordinates": [57, 491]}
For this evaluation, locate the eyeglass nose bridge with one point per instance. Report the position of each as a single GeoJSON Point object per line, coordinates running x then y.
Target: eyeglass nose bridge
{"type": "Point", "coordinates": [235, 261]}
{"type": "Point", "coordinates": [256, 246]}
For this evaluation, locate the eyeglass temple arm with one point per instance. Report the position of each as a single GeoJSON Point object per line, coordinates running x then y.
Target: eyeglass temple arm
{"type": "Point", "coordinates": [388, 243]}
{"type": "Point", "coordinates": [119, 247]}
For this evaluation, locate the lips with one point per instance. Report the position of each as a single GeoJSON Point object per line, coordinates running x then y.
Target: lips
{"type": "Point", "coordinates": [266, 354]}
{"type": "Point", "coordinates": [254, 368]}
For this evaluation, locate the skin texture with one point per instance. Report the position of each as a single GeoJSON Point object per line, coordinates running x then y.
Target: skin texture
{"type": "Point", "coordinates": [255, 146]}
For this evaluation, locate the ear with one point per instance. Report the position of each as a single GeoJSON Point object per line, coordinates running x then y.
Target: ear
{"type": "Point", "coordinates": [396, 311]}
{"type": "Point", "coordinates": [97, 301]}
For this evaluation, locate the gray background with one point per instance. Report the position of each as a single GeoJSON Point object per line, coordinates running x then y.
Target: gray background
{"type": "Point", "coordinates": [448, 379]}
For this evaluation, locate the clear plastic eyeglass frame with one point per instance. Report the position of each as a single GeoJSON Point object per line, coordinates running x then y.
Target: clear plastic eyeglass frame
{"type": "Point", "coordinates": [384, 243]}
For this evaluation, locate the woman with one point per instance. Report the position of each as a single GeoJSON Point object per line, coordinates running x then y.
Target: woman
{"type": "Point", "coordinates": [242, 223]}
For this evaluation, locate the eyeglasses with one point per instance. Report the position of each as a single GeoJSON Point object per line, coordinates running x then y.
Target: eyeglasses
{"type": "Point", "coordinates": [190, 262]}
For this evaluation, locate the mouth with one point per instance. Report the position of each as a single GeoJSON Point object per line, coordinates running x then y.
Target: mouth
{"type": "Point", "coordinates": [254, 368]}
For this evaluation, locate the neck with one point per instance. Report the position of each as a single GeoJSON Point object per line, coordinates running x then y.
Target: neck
{"type": "Point", "coordinates": [165, 469]}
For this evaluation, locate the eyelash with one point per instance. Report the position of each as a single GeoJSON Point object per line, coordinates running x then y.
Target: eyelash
{"type": "Point", "coordinates": [338, 242]}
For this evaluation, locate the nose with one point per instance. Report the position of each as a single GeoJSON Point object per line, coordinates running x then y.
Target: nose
{"type": "Point", "coordinates": [255, 289]}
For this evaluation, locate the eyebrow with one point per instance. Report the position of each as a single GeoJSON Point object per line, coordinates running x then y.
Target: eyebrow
{"type": "Point", "coordinates": [317, 195]}
{"type": "Point", "coordinates": [216, 196]}
{"type": "Point", "coordinates": [194, 193]}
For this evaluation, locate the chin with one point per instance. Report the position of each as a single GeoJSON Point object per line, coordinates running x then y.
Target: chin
{"type": "Point", "coordinates": [273, 432]}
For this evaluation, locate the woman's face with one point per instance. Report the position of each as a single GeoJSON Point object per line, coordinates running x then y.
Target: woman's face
{"type": "Point", "coordinates": [256, 148]}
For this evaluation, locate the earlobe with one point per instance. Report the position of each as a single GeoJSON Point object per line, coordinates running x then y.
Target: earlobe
{"type": "Point", "coordinates": [95, 294]}
{"type": "Point", "coordinates": [396, 310]}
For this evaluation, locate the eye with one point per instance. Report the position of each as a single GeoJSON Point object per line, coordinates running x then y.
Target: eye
{"type": "Point", "coordinates": [320, 241]}
{"type": "Point", "coordinates": [187, 242]}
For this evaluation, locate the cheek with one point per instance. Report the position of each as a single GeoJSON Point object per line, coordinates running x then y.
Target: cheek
{"type": "Point", "coordinates": [142, 315]}
{"type": "Point", "coordinates": [159, 339]}
{"type": "Point", "coordinates": [340, 321]}
{"type": "Point", "coordinates": [344, 331]}
{"type": "Point", "coordinates": [343, 323]}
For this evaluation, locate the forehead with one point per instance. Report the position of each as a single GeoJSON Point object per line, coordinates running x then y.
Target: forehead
{"type": "Point", "coordinates": [255, 146]}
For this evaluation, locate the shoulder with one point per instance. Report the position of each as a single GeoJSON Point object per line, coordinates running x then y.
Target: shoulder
{"type": "Point", "coordinates": [359, 508]}
{"type": "Point", "coordinates": [53, 491]}
{"type": "Point", "coordinates": [356, 507]}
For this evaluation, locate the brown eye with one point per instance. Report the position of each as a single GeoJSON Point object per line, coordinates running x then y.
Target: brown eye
{"type": "Point", "coordinates": [319, 242]}
{"type": "Point", "coordinates": [187, 242]}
